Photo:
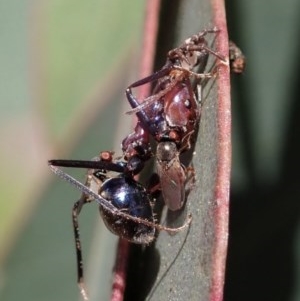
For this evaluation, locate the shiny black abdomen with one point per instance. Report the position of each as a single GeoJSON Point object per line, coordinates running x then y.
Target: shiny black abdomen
{"type": "Point", "coordinates": [130, 197]}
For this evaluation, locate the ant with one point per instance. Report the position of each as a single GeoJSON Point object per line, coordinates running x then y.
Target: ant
{"type": "Point", "coordinates": [124, 204]}
{"type": "Point", "coordinates": [171, 114]}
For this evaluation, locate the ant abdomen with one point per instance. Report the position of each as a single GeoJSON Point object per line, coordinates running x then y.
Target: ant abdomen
{"type": "Point", "coordinates": [130, 197]}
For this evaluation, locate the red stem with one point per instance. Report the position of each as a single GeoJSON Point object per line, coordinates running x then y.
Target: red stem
{"type": "Point", "coordinates": [146, 66]}
{"type": "Point", "coordinates": [221, 213]}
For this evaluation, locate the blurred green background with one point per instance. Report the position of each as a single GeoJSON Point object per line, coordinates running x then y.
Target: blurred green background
{"type": "Point", "coordinates": [64, 67]}
{"type": "Point", "coordinates": [264, 243]}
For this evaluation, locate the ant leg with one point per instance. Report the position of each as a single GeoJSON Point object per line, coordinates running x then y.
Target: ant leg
{"type": "Point", "coordinates": [156, 226]}
{"type": "Point", "coordinates": [197, 75]}
{"type": "Point", "coordinates": [153, 185]}
{"type": "Point", "coordinates": [84, 199]}
{"type": "Point", "coordinates": [149, 100]}
{"type": "Point", "coordinates": [204, 32]}
{"type": "Point", "coordinates": [149, 79]}
{"type": "Point", "coordinates": [75, 213]}
{"type": "Point", "coordinates": [197, 38]}
{"type": "Point", "coordinates": [190, 178]}
{"type": "Point", "coordinates": [204, 47]}
{"type": "Point", "coordinates": [195, 43]}
{"type": "Point", "coordinates": [199, 94]}
{"type": "Point", "coordinates": [153, 77]}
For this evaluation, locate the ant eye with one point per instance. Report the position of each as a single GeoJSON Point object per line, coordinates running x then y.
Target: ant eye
{"type": "Point", "coordinates": [187, 103]}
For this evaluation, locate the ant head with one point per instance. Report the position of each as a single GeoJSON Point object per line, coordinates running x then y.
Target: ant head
{"type": "Point", "coordinates": [166, 151]}
{"type": "Point", "coordinates": [134, 165]}
{"type": "Point", "coordinates": [169, 136]}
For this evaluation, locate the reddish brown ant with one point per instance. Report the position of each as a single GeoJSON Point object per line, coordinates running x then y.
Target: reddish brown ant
{"type": "Point", "coordinates": [171, 114]}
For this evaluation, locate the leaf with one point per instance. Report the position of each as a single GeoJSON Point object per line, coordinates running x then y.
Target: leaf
{"type": "Point", "coordinates": [80, 68]}
{"type": "Point", "coordinates": [191, 265]}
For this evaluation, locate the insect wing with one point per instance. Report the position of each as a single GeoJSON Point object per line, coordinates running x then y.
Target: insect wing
{"type": "Point", "coordinates": [172, 180]}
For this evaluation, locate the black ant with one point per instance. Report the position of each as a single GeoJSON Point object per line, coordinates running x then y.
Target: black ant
{"type": "Point", "coordinates": [171, 114]}
{"type": "Point", "coordinates": [125, 204]}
